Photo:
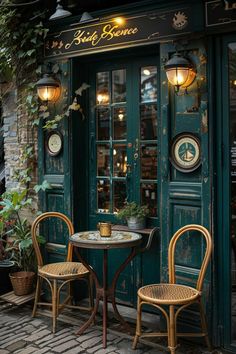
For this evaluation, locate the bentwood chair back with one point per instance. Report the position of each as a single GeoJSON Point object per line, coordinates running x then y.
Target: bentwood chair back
{"type": "Point", "coordinates": [171, 298]}
{"type": "Point", "coordinates": [57, 275]}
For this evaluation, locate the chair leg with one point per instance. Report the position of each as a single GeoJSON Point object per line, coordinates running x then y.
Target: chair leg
{"type": "Point", "coordinates": [138, 325]}
{"type": "Point", "coordinates": [37, 295]}
{"type": "Point", "coordinates": [204, 325]}
{"type": "Point", "coordinates": [172, 331]}
{"type": "Point", "coordinates": [54, 306]}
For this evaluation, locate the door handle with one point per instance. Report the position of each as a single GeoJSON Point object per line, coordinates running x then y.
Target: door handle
{"type": "Point", "coordinates": [128, 172]}
{"type": "Point", "coordinates": [136, 149]}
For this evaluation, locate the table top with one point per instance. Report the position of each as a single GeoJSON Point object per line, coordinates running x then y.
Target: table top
{"type": "Point", "coordinates": [118, 239]}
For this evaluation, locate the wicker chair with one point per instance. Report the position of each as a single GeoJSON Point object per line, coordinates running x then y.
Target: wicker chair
{"type": "Point", "coordinates": [175, 297]}
{"type": "Point", "coordinates": [57, 275]}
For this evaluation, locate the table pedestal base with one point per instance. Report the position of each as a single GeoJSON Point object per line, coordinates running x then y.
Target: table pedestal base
{"type": "Point", "coordinates": [105, 293]}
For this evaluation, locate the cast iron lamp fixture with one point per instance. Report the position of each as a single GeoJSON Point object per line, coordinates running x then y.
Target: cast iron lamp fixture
{"type": "Point", "coordinates": [60, 12]}
{"type": "Point", "coordinates": [180, 72]}
{"type": "Point", "coordinates": [48, 88]}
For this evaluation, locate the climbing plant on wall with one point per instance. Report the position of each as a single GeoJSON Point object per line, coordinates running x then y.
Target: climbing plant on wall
{"type": "Point", "coordinates": [22, 34]}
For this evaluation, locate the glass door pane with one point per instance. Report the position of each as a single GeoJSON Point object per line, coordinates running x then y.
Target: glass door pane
{"type": "Point", "coordinates": [148, 138]}
{"type": "Point", "coordinates": [111, 135]}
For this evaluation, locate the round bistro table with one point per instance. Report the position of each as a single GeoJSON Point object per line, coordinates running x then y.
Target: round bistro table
{"type": "Point", "coordinates": [93, 240]}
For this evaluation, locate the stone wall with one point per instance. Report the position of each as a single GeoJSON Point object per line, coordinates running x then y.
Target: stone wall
{"type": "Point", "coordinates": [17, 134]}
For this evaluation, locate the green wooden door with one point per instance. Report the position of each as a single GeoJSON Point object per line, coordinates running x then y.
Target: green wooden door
{"type": "Point", "coordinates": [185, 196]}
{"type": "Point", "coordinates": [123, 151]}
{"type": "Point", "coordinates": [226, 204]}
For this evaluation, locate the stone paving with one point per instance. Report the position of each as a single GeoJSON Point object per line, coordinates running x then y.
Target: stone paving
{"type": "Point", "coordinates": [22, 334]}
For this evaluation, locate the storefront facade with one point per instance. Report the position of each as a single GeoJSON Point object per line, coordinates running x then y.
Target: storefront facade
{"type": "Point", "coordinates": [133, 137]}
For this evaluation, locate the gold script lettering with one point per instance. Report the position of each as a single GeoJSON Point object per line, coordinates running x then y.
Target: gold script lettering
{"type": "Point", "coordinates": [109, 32]}
{"type": "Point", "coordinates": [82, 37]}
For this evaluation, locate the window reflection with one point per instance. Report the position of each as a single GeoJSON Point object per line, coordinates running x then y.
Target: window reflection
{"type": "Point", "coordinates": [149, 197]}
{"type": "Point", "coordinates": [119, 160]}
{"type": "Point", "coordinates": [103, 88]}
{"type": "Point", "coordinates": [148, 83]}
{"type": "Point", "coordinates": [103, 160]}
{"type": "Point", "coordinates": [103, 127]}
{"type": "Point", "coordinates": [103, 196]}
{"type": "Point", "coordinates": [119, 119]}
{"type": "Point", "coordinates": [148, 161]}
{"type": "Point", "coordinates": [119, 85]}
{"type": "Point", "coordinates": [119, 195]}
{"type": "Point", "coordinates": [148, 124]}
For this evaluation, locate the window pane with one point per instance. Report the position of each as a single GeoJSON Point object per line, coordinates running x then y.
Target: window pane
{"type": "Point", "coordinates": [103, 196]}
{"type": "Point", "coordinates": [103, 160]}
{"type": "Point", "coordinates": [119, 160]}
{"type": "Point", "coordinates": [149, 197]}
{"type": "Point", "coordinates": [119, 119]}
{"type": "Point", "coordinates": [119, 195]}
{"type": "Point", "coordinates": [103, 131]}
{"type": "Point", "coordinates": [148, 83]}
{"type": "Point", "coordinates": [103, 88]}
{"type": "Point", "coordinates": [148, 161]}
{"type": "Point", "coordinates": [148, 126]}
{"type": "Point", "coordinates": [119, 85]}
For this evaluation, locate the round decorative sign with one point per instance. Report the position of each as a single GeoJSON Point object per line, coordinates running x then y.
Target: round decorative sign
{"type": "Point", "coordinates": [54, 143]}
{"type": "Point", "coordinates": [186, 152]}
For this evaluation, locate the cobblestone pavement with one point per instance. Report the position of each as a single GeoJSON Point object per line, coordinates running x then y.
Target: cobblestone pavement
{"type": "Point", "coordinates": [21, 334]}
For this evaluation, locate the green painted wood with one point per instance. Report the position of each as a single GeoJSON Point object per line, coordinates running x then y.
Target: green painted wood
{"type": "Point", "coordinates": [223, 183]}
{"type": "Point", "coordinates": [56, 170]}
{"type": "Point", "coordinates": [84, 172]}
{"type": "Point", "coordinates": [185, 198]}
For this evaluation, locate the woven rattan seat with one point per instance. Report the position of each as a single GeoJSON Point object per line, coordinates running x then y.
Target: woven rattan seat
{"type": "Point", "coordinates": [63, 270]}
{"type": "Point", "coordinates": [172, 298]}
{"type": "Point", "coordinates": [59, 275]}
{"type": "Point", "coordinates": [168, 293]}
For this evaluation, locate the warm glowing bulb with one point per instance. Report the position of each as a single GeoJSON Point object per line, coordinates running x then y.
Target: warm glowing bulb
{"type": "Point", "coordinates": [234, 82]}
{"type": "Point", "coordinates": [120, 116]}
{"type": "Point", "coordinates": [146, 72]}
{"type": "Point", "coordinates": [100, 98]}
{"type": "Point", "coordinates": [114, 152]}
{"type": "Point", "coordinates": [125, 158]}
{"type": "Point", "coordinates": [119, 20]}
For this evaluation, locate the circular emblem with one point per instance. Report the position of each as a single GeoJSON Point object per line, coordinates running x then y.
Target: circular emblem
{"type": "Point", "coordinates": [185, 152]}
{"type": "Point", "coordinates": [180, 20]}
{"type": "Point", "coordinates": [54, 143]}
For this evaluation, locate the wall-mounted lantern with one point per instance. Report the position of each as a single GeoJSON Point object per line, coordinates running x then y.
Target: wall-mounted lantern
{"type": "Point", "coordinates": [48, 88]}
{"type": "Point", "coordinates": [180, 71]}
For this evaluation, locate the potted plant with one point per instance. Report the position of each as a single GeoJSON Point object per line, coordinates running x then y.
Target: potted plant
{"type": "Point", "coordinates": [19, 248]}
{"type": "Point", "coordinates": [134, 214]}
{"type": "Point", "coordinates": [6, 265]}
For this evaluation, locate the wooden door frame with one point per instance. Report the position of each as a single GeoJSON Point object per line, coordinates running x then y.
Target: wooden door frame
{"type": "Point", "coordinates": [223, 223]}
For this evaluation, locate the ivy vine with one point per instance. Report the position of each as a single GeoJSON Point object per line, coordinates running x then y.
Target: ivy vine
{"type": "Point", "coordinates": [22, 34]}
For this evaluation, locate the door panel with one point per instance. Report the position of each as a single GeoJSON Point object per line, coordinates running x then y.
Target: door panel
{"type": "Point", "coordinates": [123, 151]}
{"type": "Point", "coordinates": [123, 137]}
{"type": "Point", "coordinates": [227, 192]}
{"type": "Point", "coordinates": [185, 197]}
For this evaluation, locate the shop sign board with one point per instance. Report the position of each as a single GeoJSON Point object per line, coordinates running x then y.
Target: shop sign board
{"type": "Point", "coordinates": [119, 32]}
{"type": "Point", "coordinates": [220, 12]}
